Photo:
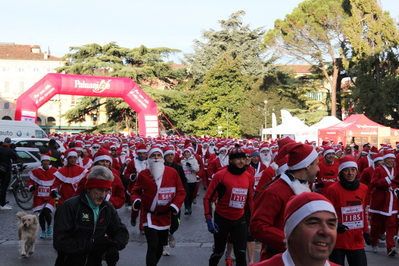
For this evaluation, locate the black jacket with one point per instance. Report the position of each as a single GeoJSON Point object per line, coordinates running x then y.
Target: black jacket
{"type": "Point", "coordinates": [75, 231]}
{"type": "Point", "coordinates": [6, 157]}
{"type": "Point", "coordinates": [55, 158]}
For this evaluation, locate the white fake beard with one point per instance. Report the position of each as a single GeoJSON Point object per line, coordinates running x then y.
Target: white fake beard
{"type": "Point", "coordinates": [93, 152]}
{"type": "Point", "coordinates": [224, 159]}
{"type": "Point", "coordinates": [211, 150]}
{"type": "Point", "coordinates": [266, 158]}
{"type": "Point", "coordinates": [156, 167]}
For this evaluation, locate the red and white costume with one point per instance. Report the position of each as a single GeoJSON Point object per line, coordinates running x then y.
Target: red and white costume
{"type": "Point", "coordinates": [383, 204]}
{"type": "Point", "coordinates": [84, 162]}
{"type": "Point", "coordinates": [258, 172]}
{"type": "Point", "coordinates": [68, 178]}
{"type": "Point", "coordinates": [350, 206]}
{"type": "Point", "coordinates": [44, 182]}
{"type": "Point", "coordinates": [267, 223]}
{"type": "Point", "coordinates": [158, 196]}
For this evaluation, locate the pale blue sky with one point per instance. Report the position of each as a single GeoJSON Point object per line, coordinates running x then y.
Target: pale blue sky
{"type": "Point", "coordinates": [131, 23]}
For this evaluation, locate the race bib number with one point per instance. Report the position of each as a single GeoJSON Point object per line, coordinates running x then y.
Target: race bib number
{"type": "Point", "coordinates": [165, 195]}
{"type": "Point", "coordinates": [43, 191]}
{"type": "Point", "coordinates": [238, 198]}
{"type": "Point", "coordinates": [352, 216]}
{"type": "Point", "coordinates": [187, 172]}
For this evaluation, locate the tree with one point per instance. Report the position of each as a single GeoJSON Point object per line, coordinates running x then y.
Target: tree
{"type": "Point", "coordinates": [235, 39]}
{"type": "Point", "coordinates": [143, 65]}
{"type": "Point", "coordinates": [373, 63]}
{"type": "Point", "coordinates": [312, 33]}
{"type": "Point", "coordinates": [217, 102]}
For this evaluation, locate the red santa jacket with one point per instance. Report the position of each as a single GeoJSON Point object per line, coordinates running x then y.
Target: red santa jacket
{"type": "Point", "coordinates": [44, 182]}
{"type": "Point", "coordinates": [68, 178]}
{"type": "Point", "coordinates": [363, 163]}
{"type": "Point", "coordinates": [238, 194]}
{"type": "Point", "coordinates": [267, 176]}
{"type": "Point", "coordinates": [258, 172]}
{"type": "Point", "coordinates": [350, 206]}
{"type": "Point", "coordinates": [365, 178]}
{"type": "Point", "coordinates": [383, 200]}
{"type": "Point", "coordinates": [267, 222]}
{"type": "Point", "coordinates": [157, 199]}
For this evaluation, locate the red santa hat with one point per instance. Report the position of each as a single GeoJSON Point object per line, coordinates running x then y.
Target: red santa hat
{"type": "Point", "coordinates": [99, 177]}
{"type": "Point", "coordinates": [71, 152]}
{"type": "Point", "coordinates": [154, 149]}
{"type": "Point", "coordinates": [346, 162]}
{"type": "Point", "coordinates": [46, 156]}
{"type": "Point", "coordinates": [302, 205]}
{"type": "Point", "coordinates": [388, 154]}
{"type": "Point", "coordinates": [377, 157]}
{"type": "Point", "coordinates": [327, 150]}
{"type": "Point", "coordinates": [102, 154]}
{"type": "Point", "coordinates": [79, 146]}
{"type": "Point", "coordinates": [141, 147]}
{"type": "Point", "coordinates": [264, 147]}
{"type": "Point", "coordinates": [282, 142]}
{"type": "Point", "coordinates": [299, 155]}
{"type": "Point", "coordinates": [167, 150]}
{"type": "Point", "coordinates": [325, 142]}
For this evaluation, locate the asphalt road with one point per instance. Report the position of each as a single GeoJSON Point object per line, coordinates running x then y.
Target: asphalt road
{"type": "Point", "coordinates": [194, 243]}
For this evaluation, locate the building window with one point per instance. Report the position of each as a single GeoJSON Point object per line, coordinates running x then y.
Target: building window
{"type": "Point", "coordinates": [21, 69]}
{"type": "Point", "coordinates": [35, 69]}
{"type": "Point", "coordinates": [6, 105]}
{"type": "Point", "coordinates": [6, 86]}
{"type": "Point", "coordinates": [38, 121]}
{"type": "Point", "coordinates": [51, 121]}
{"type": "Point", "coordinates": [6, 118]}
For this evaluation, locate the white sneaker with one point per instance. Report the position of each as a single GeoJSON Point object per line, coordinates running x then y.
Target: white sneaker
{"type": "Point", "coordinates": [172, 241]}
{"type": "Point", "coordinates": [374, 249]}
{"type": "Point", "coordinates": [166, 251]}
{"type": "Point", "coordinates": [6, 207]}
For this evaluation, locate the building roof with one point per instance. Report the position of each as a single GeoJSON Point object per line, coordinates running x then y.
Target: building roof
{"type": "Point", "coordinates": [12, 51]}
{"type": "Point", "coordinates": [299, 69]}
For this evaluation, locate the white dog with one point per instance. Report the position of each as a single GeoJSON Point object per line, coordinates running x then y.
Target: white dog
{"type": "Point", "coordinates": [27, 233]}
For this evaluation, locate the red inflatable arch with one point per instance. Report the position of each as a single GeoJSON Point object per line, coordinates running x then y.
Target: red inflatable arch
{"type": "Point", "coordinates": [52, 84]}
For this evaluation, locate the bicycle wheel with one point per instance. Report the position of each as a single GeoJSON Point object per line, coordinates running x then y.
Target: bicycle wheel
{"type": "Point", "coordinates": [23, 196]}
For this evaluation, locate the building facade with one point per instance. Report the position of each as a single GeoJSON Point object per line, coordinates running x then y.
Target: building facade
{"type": "Point", "coordinates": [21, 66]}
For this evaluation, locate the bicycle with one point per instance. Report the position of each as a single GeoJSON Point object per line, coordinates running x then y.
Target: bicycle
{"type": "Point", "coordinates": [23, 197]}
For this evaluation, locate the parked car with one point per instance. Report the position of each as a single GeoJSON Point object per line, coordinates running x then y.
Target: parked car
{"type": "Point", "coordinates": [29, 157]}
{"type": "Point", "coordinates": [35, 143]}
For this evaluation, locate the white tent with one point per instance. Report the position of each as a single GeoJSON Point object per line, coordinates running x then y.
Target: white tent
{"type": "Point", "coordinates": [290, 127]}
{"type": "Point", "coordinates": [312, 133]}
{"type": "Point", "coordinates": [327, 121]}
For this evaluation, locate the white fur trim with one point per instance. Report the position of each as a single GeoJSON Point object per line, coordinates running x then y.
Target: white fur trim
{"type": "Point", "coordinates": [305, 162]}
{"type": "Point", "coordinates": [304, 211]}
{"type": "Point", "coordinates": [103, 157]}
{"type": "Point", "coordinates": [328, 151]}
{"type": "Point", "coordinates": [45, 157]}
{"type": "Point", "coordinates": [347, 164]}
{"type": "Point", "coordinates": [389, 155]}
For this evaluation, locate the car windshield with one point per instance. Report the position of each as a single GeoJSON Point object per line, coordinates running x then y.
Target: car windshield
{"type": "Point", "coordinates": [37, 154]}
{"type": "Point", "coordinates": [24, 157]}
